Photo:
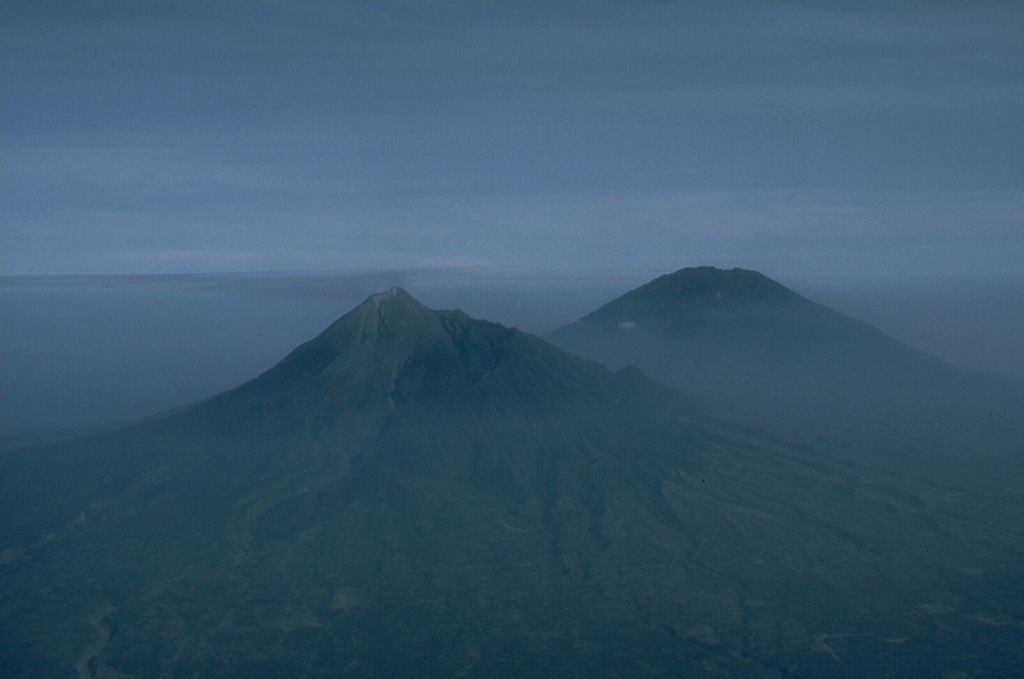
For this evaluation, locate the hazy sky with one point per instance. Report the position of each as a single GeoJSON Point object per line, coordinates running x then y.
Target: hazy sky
{"type": "Point", "coordinates": [641, 136]}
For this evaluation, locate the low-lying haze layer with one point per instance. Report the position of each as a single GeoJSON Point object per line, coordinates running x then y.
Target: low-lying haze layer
{"type": "Point", "coordinates": [97, 349]}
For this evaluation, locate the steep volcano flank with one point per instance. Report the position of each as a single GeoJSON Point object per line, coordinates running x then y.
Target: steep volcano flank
{"type": "Point", "coordinates": [392, 352]}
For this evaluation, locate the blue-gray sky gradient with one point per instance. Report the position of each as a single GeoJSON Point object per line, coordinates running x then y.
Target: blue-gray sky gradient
{"type": "Point", "coordinates": [635, 136]}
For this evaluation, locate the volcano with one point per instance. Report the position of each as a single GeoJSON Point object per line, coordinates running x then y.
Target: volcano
{"type": "Point", "coordinates": [741, 343]}
{"type": "Point", "coordinates": [744, 342]}
{"type": "Point", "coordinates": [419, 493]}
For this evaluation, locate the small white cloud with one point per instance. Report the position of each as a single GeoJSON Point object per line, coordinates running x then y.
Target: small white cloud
{"type": "Point", "coordinates": [627, 325]}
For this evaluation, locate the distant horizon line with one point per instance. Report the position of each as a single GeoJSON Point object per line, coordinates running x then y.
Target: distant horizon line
{"type": "Point", "coordinates": [534, 274]}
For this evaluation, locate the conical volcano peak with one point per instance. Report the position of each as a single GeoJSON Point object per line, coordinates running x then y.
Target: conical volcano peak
{"type": "Point", "coordinates": [395, 295]}
{"type": "Point", "coordinates": [694, 296]}
{"type": "Point", "coordinates": [365, 352]}
{"type": "Point", "coordinates": [391, 315]}
{"type": "Point", "coordinates": [392, 350]}
{"type": "Point", "coordinates": [708, 284]}
{"type": "Point", "coordinates": [394, 302]}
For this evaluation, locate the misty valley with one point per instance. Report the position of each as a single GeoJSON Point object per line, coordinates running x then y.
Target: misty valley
{"type": "Point", "coordinates": [709, 475]}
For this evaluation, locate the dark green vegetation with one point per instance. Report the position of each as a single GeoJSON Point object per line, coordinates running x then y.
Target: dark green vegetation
{"type": "Point", "coordinates": [417, 493]}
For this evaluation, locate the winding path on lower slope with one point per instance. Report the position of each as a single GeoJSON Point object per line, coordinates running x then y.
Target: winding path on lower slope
{"type": "Point", "coordinates": [102, 637]}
